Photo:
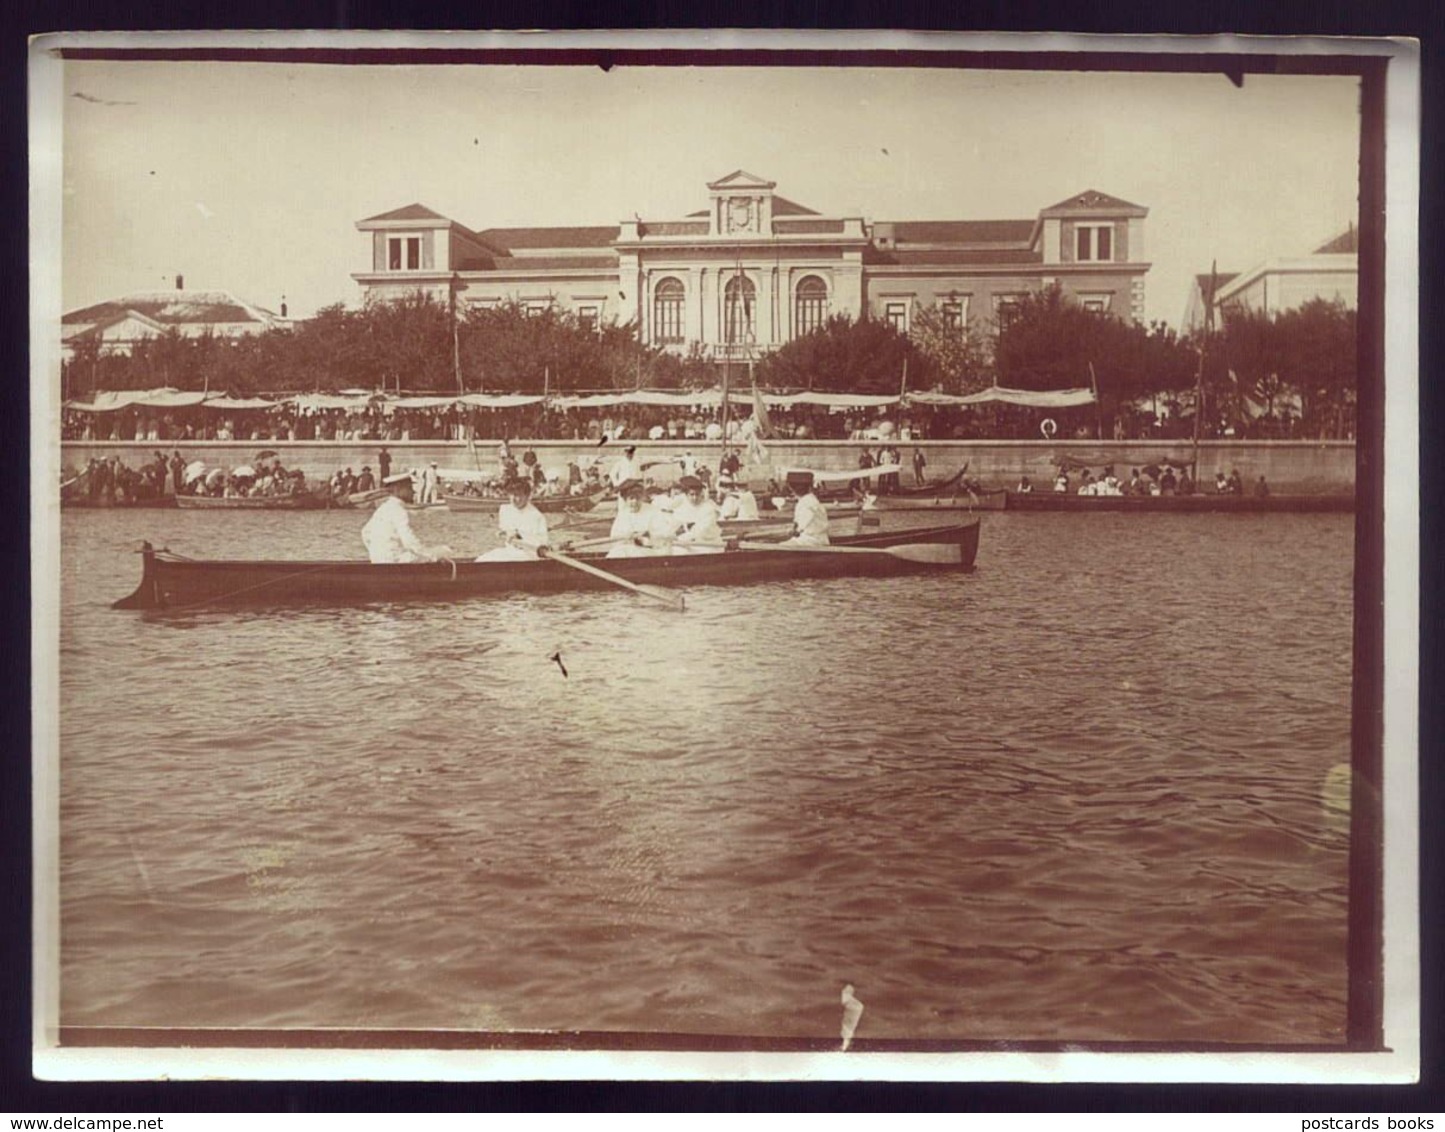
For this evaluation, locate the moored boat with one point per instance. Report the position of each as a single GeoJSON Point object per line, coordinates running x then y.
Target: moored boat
{"type": "Point", "coordinates": [1198, 503]}
{"type": "Point", "coordinates": [169, 581]}
{"type": "Point", "coordinates": [306, 501]}
{"type": "Point", "coordinates": [547, 504]}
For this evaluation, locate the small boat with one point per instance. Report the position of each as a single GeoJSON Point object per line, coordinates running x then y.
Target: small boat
{"type": "Point", "coordinates": [304, 501]}
{"type": "Point", "coordinates": [169, 581]}
{"type": "Point", "coordinates": [1198, 503]}
{"type": "Point", "coordinates": [547, 504]}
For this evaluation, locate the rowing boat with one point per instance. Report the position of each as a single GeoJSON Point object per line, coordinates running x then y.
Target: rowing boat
{"type": "Point", "coordinates": [547, 504]}
{"type": "Point", "coordinates": [306, 501]}
{"type": "Point", "coordinates": [1200, 503]}
{"type": "Point", "coordinates": [170, 581]}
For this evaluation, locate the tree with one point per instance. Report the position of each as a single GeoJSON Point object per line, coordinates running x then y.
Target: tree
{"type": "Point", "coordinates": [958, 357]}
{"type": "Point", "coordinates": [847, 356]}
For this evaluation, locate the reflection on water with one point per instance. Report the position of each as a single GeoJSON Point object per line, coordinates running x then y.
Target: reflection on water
{"type": "Point", "coordinates": [1075, 795]}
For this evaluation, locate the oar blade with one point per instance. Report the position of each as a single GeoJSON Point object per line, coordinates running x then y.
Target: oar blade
{"type": "Point", "coordinates": [933, 553]}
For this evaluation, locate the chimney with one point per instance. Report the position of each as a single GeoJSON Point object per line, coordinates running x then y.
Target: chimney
{"type": "Point", "coordinates": [180, 282]}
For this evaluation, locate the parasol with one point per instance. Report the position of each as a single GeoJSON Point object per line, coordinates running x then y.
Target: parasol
{"type": "Point", "coordinates": [215, 474]}
{"type": "Point", "coordinates": [266, 454]}
{"type": "Point", "coordinates": [195, 470]}
{"type": "Point", "coordinates": [244, 471]}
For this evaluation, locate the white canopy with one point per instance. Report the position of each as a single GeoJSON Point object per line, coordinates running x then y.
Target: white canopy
{"type": "Point", "coordinates": [1032, 398]}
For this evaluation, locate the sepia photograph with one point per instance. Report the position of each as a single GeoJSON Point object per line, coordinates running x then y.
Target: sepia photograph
{"type": "Point", "coordinates": [853, 556]}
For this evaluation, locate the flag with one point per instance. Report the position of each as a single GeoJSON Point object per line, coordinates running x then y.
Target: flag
{"type": "Point", "coordinates": [760, 415]}
{"type": "Point", "coordinates": [757, 454]}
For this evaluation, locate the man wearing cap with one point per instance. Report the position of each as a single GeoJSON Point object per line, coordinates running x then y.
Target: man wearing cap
{"type": "Point", "coordinates": [388, 535]}
{"type": "Point", "coordinates": [810, 519]}
{"type": "Point", "coordinates": [365, 481]}
{"type": "Point", "coordinates": [521, 527]}
{"type": "Point", "coordinates": [694, 521]}
{"type": "Point", "coordinates": [429, 483]}
{"type": "Point", "coordinates": [632, 530]}
{"type": "Point", "coordinates": [624, 469]}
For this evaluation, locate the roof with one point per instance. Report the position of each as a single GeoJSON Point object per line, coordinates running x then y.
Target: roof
{"type": "Point", "coordinates": [172, 308]}
{"type": "Point", "coordinates": [784, 207]}
{"type": "Point", "coordinates": [963, 231]}
{"type": "Point", "coordinates": [552, 262]}
{"type": "Point", "coordinates": [1091, 200]}
{"type": "Point", "coordinates": [512, 238]}
{"type": "Point", "coordinates": [1346, 242]}
{"type": "Point", "coordinates": [407, 212]}
{"type": "Point", "coordinates": [948, 256]}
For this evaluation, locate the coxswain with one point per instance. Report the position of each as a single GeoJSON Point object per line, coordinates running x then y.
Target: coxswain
{"type": "Point", "coordinates": [520, 526]}
{"type": "Point", "coordinates": [388, 535]}
{"type": "Point", "coordinates": [694, 520]}
{"type": "Point", "coordinates": [810, 519]}
{"type": "Point", "coordinates": [633, 528]}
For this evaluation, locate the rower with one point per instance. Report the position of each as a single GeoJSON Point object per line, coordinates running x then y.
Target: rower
{"type": "Point", "coordinates": [810, 518]}
{"type": "Point", "coordinates": [521, 527]}
{"type": "Point", "coordinates": [694, 521]}
{"type": "Point", "coordinates": [624, 469]}
{"type": "Point", "coordinates": [388, 535]}
{"type": "Point", "coordinates": [632, 529]}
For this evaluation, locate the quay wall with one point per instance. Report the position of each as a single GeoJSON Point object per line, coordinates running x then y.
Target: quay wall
{"type": "Point", "coordinates": [1304, 466]}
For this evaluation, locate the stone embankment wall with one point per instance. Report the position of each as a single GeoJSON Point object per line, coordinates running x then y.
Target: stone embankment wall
{"type": "Point", "coordinates": [1313, 467]}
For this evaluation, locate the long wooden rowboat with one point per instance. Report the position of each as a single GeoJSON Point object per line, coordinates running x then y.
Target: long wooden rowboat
{"type": "Point", "coordinates": [547, 504]}
{"type": "Point", "coordinates": [169, 581]}
{"type": "Point", "coordinates": [306, 501]}
{"type": "Point", "coordinates": [1187, 504]}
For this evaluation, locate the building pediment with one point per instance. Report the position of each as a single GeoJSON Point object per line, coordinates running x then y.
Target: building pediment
{"type": "Point", "coordinates": [742, 181]}
{"type": "Point", "coordinates": [1093, 201]}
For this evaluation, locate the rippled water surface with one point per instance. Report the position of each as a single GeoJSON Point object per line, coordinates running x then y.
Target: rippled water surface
{"type": "Point", "coordinates": [1074, 795]}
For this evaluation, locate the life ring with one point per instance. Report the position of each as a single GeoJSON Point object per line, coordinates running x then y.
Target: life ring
{"type": "Point", "coordinates": [1048, 428]}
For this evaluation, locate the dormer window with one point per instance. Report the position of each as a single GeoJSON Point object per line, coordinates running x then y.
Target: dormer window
{"type": "Point", "coordinates": [1094, 243]}
{"type": "Point", "coordinates": [404, 253]}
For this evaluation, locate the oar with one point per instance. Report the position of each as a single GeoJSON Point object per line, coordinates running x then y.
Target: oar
{"type": "Point", "coordinates": [656, 594]}
{"type": "Point", "coordinates": [935, 553]}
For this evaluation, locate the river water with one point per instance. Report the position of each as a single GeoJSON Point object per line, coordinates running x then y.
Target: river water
{"type": "Point", "coordinates": [1076, 795]}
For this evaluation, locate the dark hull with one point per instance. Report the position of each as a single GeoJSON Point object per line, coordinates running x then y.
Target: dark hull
{"type": "Point", "coordinates": [173, 583]}
{"type": "Point", "coordinates": [547, 505]}
{"type": "Point", "coordinates": [1181, 504]}
{"type": "Point", "coordinates": [84, 503]}
{"type": "Point", "coordinates": [252, 503]}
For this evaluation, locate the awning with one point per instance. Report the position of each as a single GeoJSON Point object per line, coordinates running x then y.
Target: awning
{"type": "Point", "coordinates": [109, 402]}
{"type": "Point", "coordinates": [240, 403]}
{"type": "Point", "coordinates": [1030, 398]}
{"type": "Point", "coordinates": [499, 400]}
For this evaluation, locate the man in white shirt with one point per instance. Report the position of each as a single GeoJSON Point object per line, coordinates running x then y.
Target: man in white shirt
{"type": "Point", "coordinates": [388, 535]}
{"type": "Point", "coordinates": [429, 484]}
{"type": "Point", "coordinates": [521, 527]}
{"type": "Point", "coordinates": [624, 469]}
{"type": "Point", "coordinates": [694, 521]}
{"type": "Point", "coordinates": [810, 520]}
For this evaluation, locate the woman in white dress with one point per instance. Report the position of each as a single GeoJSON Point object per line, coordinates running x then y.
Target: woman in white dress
{"type": "Point", "coordinates": [520, 526]}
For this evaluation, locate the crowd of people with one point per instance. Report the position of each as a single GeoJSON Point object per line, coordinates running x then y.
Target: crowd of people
{"type": "Point", "coordinates": [378, 422]}
{"type": "Point", "coordinates": [1152, 479]}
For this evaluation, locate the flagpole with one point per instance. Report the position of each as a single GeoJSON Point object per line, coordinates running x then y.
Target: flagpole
{"type": "Point", "coordinates": [1199, 377]}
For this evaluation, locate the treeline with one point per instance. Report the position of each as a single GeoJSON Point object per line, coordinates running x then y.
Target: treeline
{"type": "Point", "coordinates": [1301, 361]}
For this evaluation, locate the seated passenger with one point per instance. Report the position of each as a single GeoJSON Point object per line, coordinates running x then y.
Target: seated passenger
{"type": "Point", "coordinates": [810, 519]}
{"type": "Point", "coordinates": [521, 527]}
{"type": "Point", "coordinates": [694, 521]}
{"type": "Point", "coordinates": [388, 535]}
{"type": "Point", "coordinates": [632, 529]}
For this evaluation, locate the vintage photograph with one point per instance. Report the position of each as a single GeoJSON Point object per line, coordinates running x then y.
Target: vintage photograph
{"type": "Point", "coordinates": [709, 553]}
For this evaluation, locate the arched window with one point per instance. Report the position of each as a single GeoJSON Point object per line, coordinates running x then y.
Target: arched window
{"type": "Point", "coordinates": [668, 299]}
{"type": "Point", "coordinates": [811, 304]}
{"type": "Point", "coordinates": [739, 302]}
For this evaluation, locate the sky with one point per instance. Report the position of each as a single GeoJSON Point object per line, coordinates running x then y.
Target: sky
{"type": "Point", "coordinates": [250, 177]}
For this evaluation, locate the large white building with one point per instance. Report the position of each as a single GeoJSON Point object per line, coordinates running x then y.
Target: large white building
{"type": "Point", "coordinates": [1330, 272]}
{"type": "Point", "coordinates": [753, 269]}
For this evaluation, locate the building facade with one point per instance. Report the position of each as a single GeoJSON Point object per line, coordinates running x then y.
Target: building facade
{"type": "Point", "coordinates": [1330, 272]}
{"type": "Point", "coordinates": [754, 270]}
{"type": "Point", "coordinates": [119, 324]}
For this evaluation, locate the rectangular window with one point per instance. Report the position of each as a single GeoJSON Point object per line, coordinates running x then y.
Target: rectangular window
{"type": "Point", "coordinates": [955, 313]}
{"type": "Point", "coordinates": [896, 315]}
{"type": "Point", "coordinates": [1098, 304]}
{"type": "Point", "coordinates": [404, 253]}
{"type": "Point", "coordinates": [587, 317]}
{"type": "Point", "coordinates": [1005, 309]}
{"type": "Point", "coordinates": [1094, 243]}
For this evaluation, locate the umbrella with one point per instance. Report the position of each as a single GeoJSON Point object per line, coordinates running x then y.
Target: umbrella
{"type": "Point", "coordinates": [195, 470]}
{"type": "Point", "coordinates": [216, 474]}
{"type": "Point", "coordinates": [267, 454]}
{"type": "Point", "coordinates": [243, 471]}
